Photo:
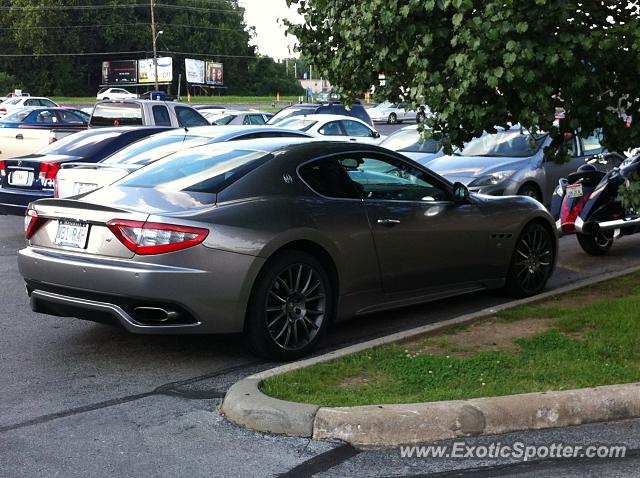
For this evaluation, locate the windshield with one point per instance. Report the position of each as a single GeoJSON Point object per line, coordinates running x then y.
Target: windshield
{"type": "Point", "coordinates": [386, 104]}
{"type": "Point", "coordinates": [411, 141]}
{"type": "Point", "coordinates": [301, 124]}
{"type": "Point", "coordinates": [84, 143]}
{"type": "Point", "coordinates": [16, 117]}
{"type": "Point", "coordinates": [196, 170]}
{"type": "Point", "coordinates": [288, 113]}
{"type": "Point", "coordinates": [151, 149]}
{"type": "Point", "coordinates": [503, 144]}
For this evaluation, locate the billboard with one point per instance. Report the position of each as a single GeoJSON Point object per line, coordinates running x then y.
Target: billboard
{"type": "Point", "coordinates": [214, 74]}
{"type": "Point", "coordinates": [146, 70]}
{"type": "Point", "coordinates": [119, 72]}
{"type": "Point", "coordinates": [195, 70]}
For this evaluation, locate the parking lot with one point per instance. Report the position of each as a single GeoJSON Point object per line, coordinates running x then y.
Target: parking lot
{"type": "Point", "coordinates": [83, 399]}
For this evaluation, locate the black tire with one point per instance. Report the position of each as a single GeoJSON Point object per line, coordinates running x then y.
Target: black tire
{"type": "Point", "coordinates": [597, 245]}
{"type": "Point", "coordinates": [531, 191]}
{"type": "Point", "coordinates": [279, 324]}
{"type": "Point", "coordinates": [420, 117]}
{"type": "Point", "coordinates": [531, 262]}
{"type": "Point", "coordinates": [392, 119]}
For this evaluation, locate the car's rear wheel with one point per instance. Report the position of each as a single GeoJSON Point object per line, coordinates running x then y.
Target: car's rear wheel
{"type": "Point", "coordinates": [597, 245]}
{"type": "Point", "coordinates": [531, 262]}
{"type": "Point", "coordinates": [392, 119]}
{"type": "Point", "coordinates": [105, 99]}
{"type": "Point", "coordinates": [290, 306]}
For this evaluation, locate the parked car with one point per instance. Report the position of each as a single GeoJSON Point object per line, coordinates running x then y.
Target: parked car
{"type": "Point", "coordinates": [513, 162]}
{"type": "Point", "coordinates": [157, 95]}
{"type": "Point", "coordinates": [77, 178]}
{"type": "Point", "coordinates": [231, 117]}
{"type": "Point", "coordinates": [221, 241]}
{"type": "Point", "coordinates": [334, 127]}
{"type": "Point", "coordinates": [393, 113]}
{"type": "Point", "coordinates": [115, 94]}
{"type": "Point", "coordinates": [327, 96]}
{"type": "Point", "coordinates": [33, 176]}
{"type": "Point", "coordinates": [28, 130]}
{"type": "Point", "coordinates": [145, 112]}
{"type": "Point", "coordinates": [19, 102]}
{"type": "Point", "coordinates": [411, 143]}
{"type": "Point", "coordinates": [356, 110]}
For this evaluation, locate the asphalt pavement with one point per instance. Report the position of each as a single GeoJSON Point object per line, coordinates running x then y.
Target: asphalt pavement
{"type": "Point", "coordinates": [84, 399]}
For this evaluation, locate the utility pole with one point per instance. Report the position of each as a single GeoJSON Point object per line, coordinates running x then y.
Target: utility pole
{"type": "Point", "coordinates": [155, 51]}
{"type": "Point", "coordinates": [295, 69]}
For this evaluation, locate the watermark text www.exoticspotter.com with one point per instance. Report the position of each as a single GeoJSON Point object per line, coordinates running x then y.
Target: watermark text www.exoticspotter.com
{"type": "Point", "coordinates": [517, 450]}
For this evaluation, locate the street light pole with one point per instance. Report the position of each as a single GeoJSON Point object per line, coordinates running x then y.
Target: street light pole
{"type": "Point", "coordinates": [155, 37]}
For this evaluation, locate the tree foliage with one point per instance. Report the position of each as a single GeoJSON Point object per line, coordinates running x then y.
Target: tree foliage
{"type": "Point", "coordinates": [213, 30]}
{"type": "Point", "coordinates": [482, 63]}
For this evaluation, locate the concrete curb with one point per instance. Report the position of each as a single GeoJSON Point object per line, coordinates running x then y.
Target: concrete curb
{"type": "Point", "coordinates": [392, 425]}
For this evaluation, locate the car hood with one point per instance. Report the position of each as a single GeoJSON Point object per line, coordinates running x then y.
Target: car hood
{"type": "Point", "coordinates": [149, 200]}
{"type": "Point", "coordinates": [467, 168]}
{"type": "Point", "coordinates": [423, 158]}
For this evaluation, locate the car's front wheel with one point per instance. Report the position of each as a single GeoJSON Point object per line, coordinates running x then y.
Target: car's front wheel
{"type": "Point", "coordinates": [290, 306]}
{"type": "Point", "coordinates": [392, 119]}
{"type": "Point", "coordinates": [531, 262]}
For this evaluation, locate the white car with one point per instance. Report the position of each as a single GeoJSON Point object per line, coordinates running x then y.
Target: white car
{"type": "Point", "coordinates": [411, 143]}
{"type": "Point", "coordinates": [79, 178]}
{"type": "Point", "coordinates": [18, 102]}
{"type": "Point", "coordinates": [334, 127]}
{"type": "Point", "coordinates": [115, 94]}
{"type": "Point", "coordinates": [393, 113]}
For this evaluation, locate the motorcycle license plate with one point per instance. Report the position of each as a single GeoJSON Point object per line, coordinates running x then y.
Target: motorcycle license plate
{"type": "Point", "coordinates": [72, 234]}
{"type": "Point", "coordinates": [574, 191]}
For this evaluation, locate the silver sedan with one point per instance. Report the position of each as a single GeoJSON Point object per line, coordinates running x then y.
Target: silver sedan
{"type": "Point", "coordinates": [276, 239]}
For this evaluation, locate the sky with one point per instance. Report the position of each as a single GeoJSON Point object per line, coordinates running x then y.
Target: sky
{"type": "Point", "coordinates": [264, 15]}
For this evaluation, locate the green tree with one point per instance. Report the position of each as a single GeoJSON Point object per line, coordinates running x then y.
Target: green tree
{"type": "Point", "coordinates": [482, 63]}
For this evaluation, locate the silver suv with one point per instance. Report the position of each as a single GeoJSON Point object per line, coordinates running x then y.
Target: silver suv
{"type": "Point", "coordinates": [145, 113]}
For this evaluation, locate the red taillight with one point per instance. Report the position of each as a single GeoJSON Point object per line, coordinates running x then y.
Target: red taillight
{"type": "Point", "coordinates": [145, 238]}
{"type": "Point", "coordinates": [32, 223]}
{"type": "Point", "coordinates": [3, 169]}
{"type": "Point", "coordinates": [49, 171]}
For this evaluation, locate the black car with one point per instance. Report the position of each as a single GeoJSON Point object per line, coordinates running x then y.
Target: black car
{"type": "Point", "coordinates": [26, 178]}
{"type": "Point", "coordinates": [356, 110]}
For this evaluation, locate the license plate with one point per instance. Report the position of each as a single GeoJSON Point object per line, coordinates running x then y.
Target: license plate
{"type": "Point", "coordinates": [72, 234]}
{"type": "Point", "coordinates": [21, 178]}
{"type": "Point", "coordinates": [574, 191]}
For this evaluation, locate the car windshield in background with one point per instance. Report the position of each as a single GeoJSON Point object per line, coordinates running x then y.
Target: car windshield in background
{"type": "Point", "coordinates": [117, 114]}
{"type": "Point", "coordinates": [411, 141]}
{"type": "Point", "coordinates": [301, 124]}
{"type": "Point", "coordinates": [151, 149]}
{"type": "Point", "coordinates": [16, 116]}
{"type": "Point", "coordinates": [513, 144]}
{"type": "Point", "coordinates": [80, 144]}
{"type": "Point", "coordinates": [288, 113]}
{"type": "Point", "coordinates": [386, 104]}
{"type": "Point", "coordinates": [224, 119]}
{"type": "Point", "coordinates": [196, 170]}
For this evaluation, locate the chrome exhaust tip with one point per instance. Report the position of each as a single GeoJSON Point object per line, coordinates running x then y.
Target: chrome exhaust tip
{"type": "Point", "coordinates": [154, 314]}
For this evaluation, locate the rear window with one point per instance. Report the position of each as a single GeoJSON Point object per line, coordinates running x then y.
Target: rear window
{"type": "Point", "coordinates": [301, 124]}
{"type": "Point", "coordinates": [151, 149]}
{"type": "Point", "coordinates": [290, 113]}
{"type": "Point", "coordinates": [84, 143]}
{"type": "Point", "coordinates": [411, 141]}
{"type": "Point", "coordinates": [197, 170]}
{"type": "Point", "coordinates": [223, 120]}
{"type": "Point", "coordinates": [117, 114]}
{"type": "Point", "coordinates": [188, 117]}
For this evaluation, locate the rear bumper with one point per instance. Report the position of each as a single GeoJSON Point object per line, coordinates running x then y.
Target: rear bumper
{"type": "Point", "coordinates": [110, 290]}
{"type": "Point", "coordinates": [15, 201]}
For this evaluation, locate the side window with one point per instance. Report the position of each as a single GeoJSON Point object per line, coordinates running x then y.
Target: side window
{"type": "Point", "coordinates": [591, 145]}
{"type": "Point", "coordinates": [386, 178]}
{"type": "Point", "coordinates": [161, 116]}
{"type": "Point", "coordinates": [46, 116]}
{"type": "Point", "coordinates": [256, 119]}
{"type": "Point", "coordinates": [69, 117]}
{"type": "Point", "coordinates": [331, 129]}
{"type": "Point", "coordinates": [189, 117]}
{"type": "Point", "coordinates": [354, 128]}
{"type": "Point", "coordinates": [329, 177]}
{"type": "Point", "coordinates": [31, 103]}
{"type": "Point", "coordinates": [48, 103]}
{"type": "Point", "coordinates": [247, 119]}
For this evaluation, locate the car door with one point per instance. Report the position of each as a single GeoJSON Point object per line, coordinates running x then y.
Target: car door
{"type": "Point", "coordinates": [424, 240]}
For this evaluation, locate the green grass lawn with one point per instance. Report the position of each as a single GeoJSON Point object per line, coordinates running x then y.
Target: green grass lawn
{"type": "Point", "coordinates": [194, 99]}
{"type": "Point", "coordinates": [584, 338]}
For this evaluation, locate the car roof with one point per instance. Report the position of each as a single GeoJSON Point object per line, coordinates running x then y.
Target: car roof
{"type": "Point", "coordinates": [266, 145]}
{"type": "Point", "coordinates": [324, 117]}
{"type": "Point", "coordinates": [219, 131]}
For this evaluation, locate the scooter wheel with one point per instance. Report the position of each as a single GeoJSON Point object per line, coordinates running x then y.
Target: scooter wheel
{"type": "Point", "coordinates": [597, 245]}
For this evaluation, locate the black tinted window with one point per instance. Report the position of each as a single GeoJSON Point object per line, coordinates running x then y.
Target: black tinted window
{"type": "Point", "coordinates": [189, 117]}
{"type": "Point", "coordinates": [161, 116]}
{"type": "Point", "coordinates": [116, 114]}
{"type": "Point", "coordinates": [330, 178]}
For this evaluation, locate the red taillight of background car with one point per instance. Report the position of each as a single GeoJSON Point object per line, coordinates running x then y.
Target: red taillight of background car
{"type": "Point", "coordinates": [147, 238]}
{"type": "Point", "coordinates": [48, 171]}
{"type": "Point", "coordinates": [3, 169]}
{"type": "Point", "coordinates": [32, 223]}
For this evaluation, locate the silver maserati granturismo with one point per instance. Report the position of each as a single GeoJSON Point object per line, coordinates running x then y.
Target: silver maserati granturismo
{"type": "Point", "coordinates": [276, 239]}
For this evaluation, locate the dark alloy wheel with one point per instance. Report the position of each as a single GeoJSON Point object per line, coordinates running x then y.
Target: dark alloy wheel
{"type": "Point", "coordinates": [393, 119]}
{"type": "Point", "coordinates": [531, 191]}
{"type": "Point", "coordinates": [290, 307]}
{"type": "Point", "coordinates": [597, 245]}
{"type": "Point", "coordinates": [532, 261]}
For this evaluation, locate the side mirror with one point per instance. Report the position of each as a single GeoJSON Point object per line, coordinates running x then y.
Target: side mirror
{"type": "Point", "coordinates": [460, 193]}
{"type": "Point", "coordinates": [375, 134]}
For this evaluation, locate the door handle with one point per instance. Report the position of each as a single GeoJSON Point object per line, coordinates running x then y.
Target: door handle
{"type": "Point", "coordinates": [19, 136]}
{"type": "Point", "coordinates": [353, 139]}
{"type": "Point", "coordinates": [388, 222]}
